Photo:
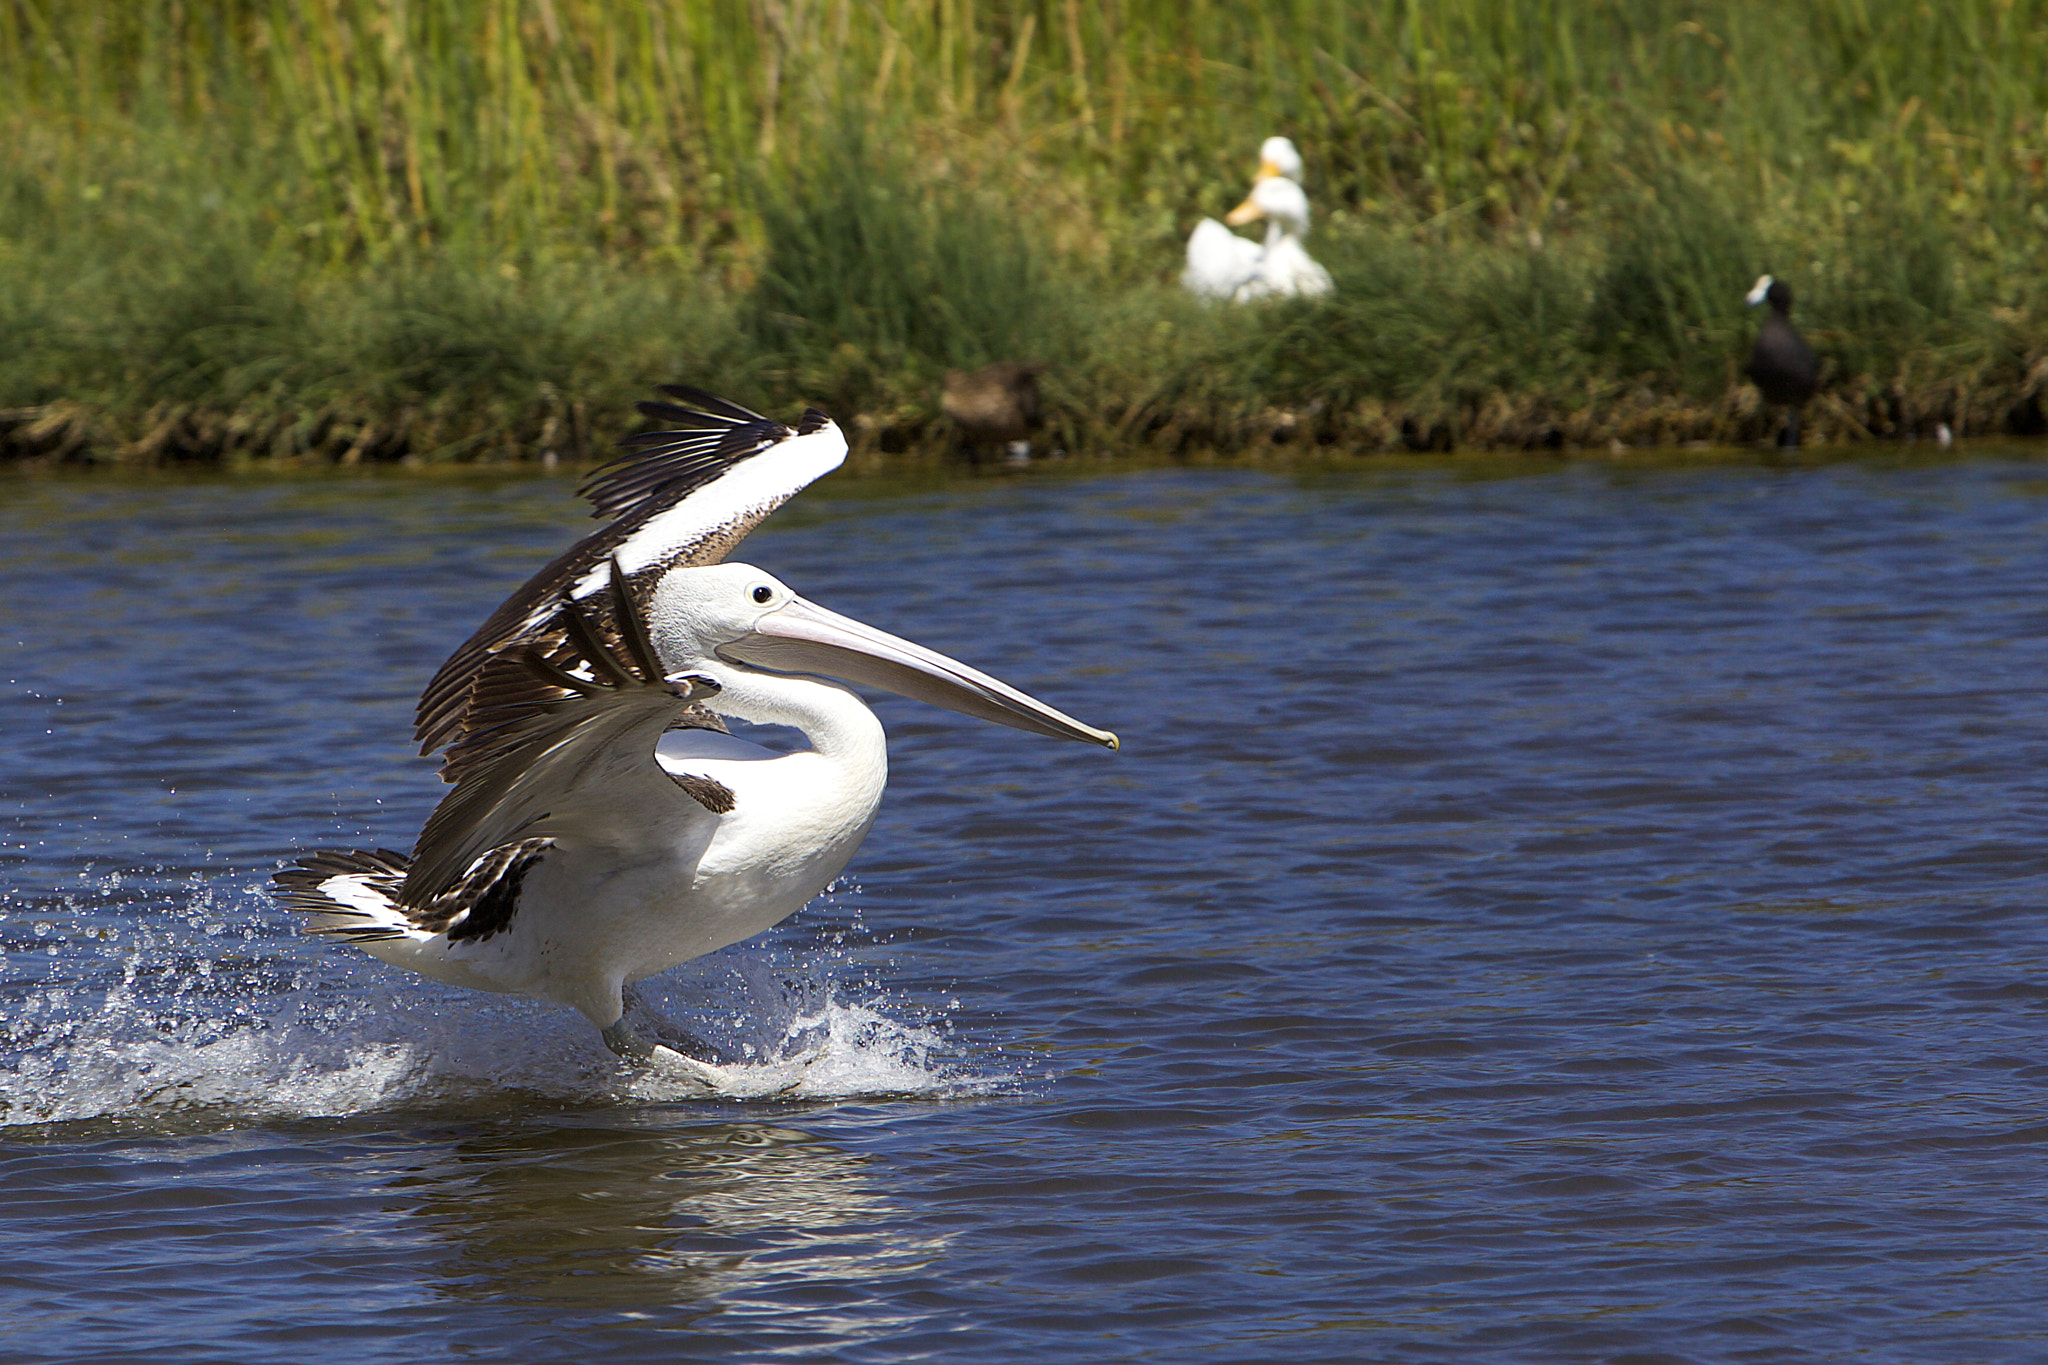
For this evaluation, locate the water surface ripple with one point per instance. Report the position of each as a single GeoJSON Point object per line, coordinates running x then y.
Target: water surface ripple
{"type": "Point", "coordinates": [1595, 914]}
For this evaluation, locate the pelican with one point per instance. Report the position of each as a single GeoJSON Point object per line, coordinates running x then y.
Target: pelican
{"type": "Point", "coordinates": [1223, 265]}
{"type": "Point", "coordinates": [1784, 367]}
{"type": "Point", "coordinates": [604, 826]}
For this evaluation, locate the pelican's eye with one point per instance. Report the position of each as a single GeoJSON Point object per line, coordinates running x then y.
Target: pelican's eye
{"type": "Point", "coordinates": [764, 594]}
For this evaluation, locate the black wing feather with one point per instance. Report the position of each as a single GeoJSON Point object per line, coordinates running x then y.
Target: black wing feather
{"type": "Point", "coordinates": [527, 709]}
{"type": "Point", "coordinates": [659, 469]}
{"type": "Point", "coordinates": [708, 404]}
{"type": "Point", "coordinates": [709, 435]}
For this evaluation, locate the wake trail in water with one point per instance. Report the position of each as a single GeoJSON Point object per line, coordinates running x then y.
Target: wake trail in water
{"type": "Point", "coordinates": [218, 1012]}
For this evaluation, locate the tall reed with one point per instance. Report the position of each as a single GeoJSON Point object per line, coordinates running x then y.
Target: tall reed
{"type": "Point", "coordinates": [190, 186]}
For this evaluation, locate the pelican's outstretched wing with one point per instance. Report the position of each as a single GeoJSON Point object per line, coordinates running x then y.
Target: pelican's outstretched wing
{"type": "Point", "coordinates": [680, 496]}
{"type": "Point", "coordinates": [549, 750]}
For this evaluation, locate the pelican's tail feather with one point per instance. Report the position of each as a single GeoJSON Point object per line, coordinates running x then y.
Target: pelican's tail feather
{"type": "Point", "coordinates": [350, 894]}
{"type": "Point", "coordinates": [357, 894]}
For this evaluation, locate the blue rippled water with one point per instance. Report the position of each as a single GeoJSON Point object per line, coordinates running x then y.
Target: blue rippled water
{"type": "Point", "coordinates": [1587, 913]}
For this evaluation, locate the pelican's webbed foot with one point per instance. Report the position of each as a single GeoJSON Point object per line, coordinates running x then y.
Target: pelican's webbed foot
{"type": "Point", "coordinates": [644, 1035]}
{"type": "Point", "coordinates": [644, 1018]}
{"type": "Point", "coordinates": [626, 1044]}
{"type": "Point", "coordinates": [631, 1046]}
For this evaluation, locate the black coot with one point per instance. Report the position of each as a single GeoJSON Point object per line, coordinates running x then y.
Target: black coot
{"type": "Point", "coordinates": [1784, 367]}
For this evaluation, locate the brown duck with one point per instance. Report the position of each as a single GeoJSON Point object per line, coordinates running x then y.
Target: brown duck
{"type": "Point", "coordinates": [995, 405]}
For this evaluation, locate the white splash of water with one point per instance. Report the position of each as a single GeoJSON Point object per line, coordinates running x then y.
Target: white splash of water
{"type": "Point", "coordinates": [845, 1052]}
{"type": "Point", "coordinates": [221, 1018]}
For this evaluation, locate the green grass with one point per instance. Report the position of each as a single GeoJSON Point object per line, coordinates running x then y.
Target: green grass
{"type": "Point", "coordinates": [364, 229]}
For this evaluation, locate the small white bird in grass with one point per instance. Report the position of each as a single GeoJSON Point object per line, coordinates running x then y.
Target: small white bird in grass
{"type": "Point", "coordinates": [1223, 265]}
{"type": "Point", "coordinates": [603, 826]}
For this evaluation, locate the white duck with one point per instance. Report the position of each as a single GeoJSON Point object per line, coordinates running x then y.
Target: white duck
{"type": "Point", "coordinates": [1223, 265]}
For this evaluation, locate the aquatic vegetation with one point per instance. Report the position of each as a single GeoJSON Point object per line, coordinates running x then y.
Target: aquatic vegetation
{"type": "Point", "coordinates": [464, 228]}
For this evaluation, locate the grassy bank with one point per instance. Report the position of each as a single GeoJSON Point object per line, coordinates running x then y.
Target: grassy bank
{"type": "Point", "coordinates": [356, 229]}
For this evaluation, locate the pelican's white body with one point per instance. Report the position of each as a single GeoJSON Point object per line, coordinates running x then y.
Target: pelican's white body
{"type": "Point", "coordinates": [586, 844]}
{"type": "Point", "coordinates": [623, 896]}
{"type": "Point", "coordinates": [1223, 265]}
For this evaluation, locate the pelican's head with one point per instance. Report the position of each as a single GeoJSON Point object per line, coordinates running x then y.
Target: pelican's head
{"type": "Point", "coordinates": [1276, 198]}
{"type": "Point", "coordinates": [1277, 157]}
{"type": "Point", "coordinates": [727, 616]}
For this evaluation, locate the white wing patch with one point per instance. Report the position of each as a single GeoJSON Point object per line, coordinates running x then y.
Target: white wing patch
{"type": "Point", "coordinates": [741, 498]}
{"type": "Point", "coordinates": [360, 893]}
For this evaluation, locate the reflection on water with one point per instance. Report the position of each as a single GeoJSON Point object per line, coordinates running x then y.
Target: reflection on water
{"type": "Point", "coordinates": [604, 1213]}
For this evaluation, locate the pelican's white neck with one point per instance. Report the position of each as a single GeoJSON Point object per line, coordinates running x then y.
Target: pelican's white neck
{"type": "Point", "coordinates": [837, 723]}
